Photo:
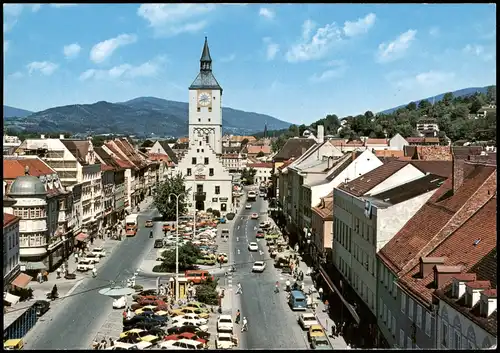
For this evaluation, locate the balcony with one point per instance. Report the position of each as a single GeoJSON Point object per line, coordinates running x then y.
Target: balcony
{"type": "Point", "coordinates": [200, 196]}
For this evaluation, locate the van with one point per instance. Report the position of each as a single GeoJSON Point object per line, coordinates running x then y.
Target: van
{"type": "Point", "coordinates": [297, 300]}
{"type": "Point", "coordinates": [224, 233]}
{"type": "Point", "coordinates": [198, 276]}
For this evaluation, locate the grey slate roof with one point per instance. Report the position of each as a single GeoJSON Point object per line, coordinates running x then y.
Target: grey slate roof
{"type": "Point", "coordinates": [294, 147]}
{"type": "Point", "coordinates": [171, 154]}
{"type": "Point", "coordinates": [205, 55]}
{"type": "Point", "coordinates": [205, 80]}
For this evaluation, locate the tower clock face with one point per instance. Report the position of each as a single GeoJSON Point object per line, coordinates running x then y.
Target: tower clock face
{"type": "Point", "coordinates": [204, 99]}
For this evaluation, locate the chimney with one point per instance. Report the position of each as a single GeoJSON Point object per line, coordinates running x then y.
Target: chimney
{"type": "Point", "coordinates": [443, 274]}
{"type": "Point", "coordinates": [458, 173]}
{"type": "Point", "coordinates": [61, 137]}
{"type": "Point", "coordinates": [488, 303]}
{"type": "Point", "coordinates": [42, 136]}
{"type": "Point", "coordinates": [473, 290]}
{"type": "Point", "coordinates": [459, 282]}
{"type": "Point", "coordinates": [321, 133]}
{"type": "Point", "coordinates": [427, 264]}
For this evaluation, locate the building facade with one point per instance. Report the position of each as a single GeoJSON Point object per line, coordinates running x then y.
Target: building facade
{"type": "Point", "coordinates": [11, 255]}
{"type": "Point", "coordinates": [204, 173]}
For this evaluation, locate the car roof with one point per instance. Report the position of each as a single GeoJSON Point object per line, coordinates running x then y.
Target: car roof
{"type": "Point", "coordinates": [188, 341]}
{"type": "Point", "coordinates": [309, 315]}
{"type": "Point", "coordinates": [225, 317]}
{"type": "Point", "coordinates": [224, 334]}
{"type": "Point", "coordinates": [252, 242]}
{"type": "Point", "coordinates": [259, 262]}
{"type": "Point", "coordinates": [316, 326]}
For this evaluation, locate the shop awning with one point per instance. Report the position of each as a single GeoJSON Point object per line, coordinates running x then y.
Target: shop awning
{"type": "Point", "coordinates": [82, 237]}
{"type": "Point", "coordinates": [22, 280]}
{"type": "Point", "coordinates": [10, 298]}
{"type": "Point", "coordinates": [333, 288]}
{"type": "Point", "coordinates": [34, 265]}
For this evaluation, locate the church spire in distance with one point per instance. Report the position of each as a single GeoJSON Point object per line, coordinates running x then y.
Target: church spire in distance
{"type": "Point", "coordinates": [206, 59]}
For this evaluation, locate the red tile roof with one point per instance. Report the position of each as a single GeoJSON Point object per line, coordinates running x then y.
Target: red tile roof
{"type": "Point", "coordinates": [371, 141]}
{"type": "Point", "coordinates": [389, 153]}
{"type": "Point", "coordinates": [414, 139]}
{"type": "Point", "coordinates": [458, 248]}
{"type": "Point", "coordinates": [13, 168]}
{"type": "Point", "coordinates": [9, 219]}
{"type": "Point", "coordinates": [434, 153]}
{"type": "Point", "coordinates": [183, 140]}
{"type": "Point", "coordinates": [325, 207]}
{"type": "Point", "coordinates": [253, 149]}
{"type": "Point", "coordinates": [158, 157]}
{"type": "Point", "coordinates": [338, 142]}
{"type": "Point", "coordinates": [260, 165]}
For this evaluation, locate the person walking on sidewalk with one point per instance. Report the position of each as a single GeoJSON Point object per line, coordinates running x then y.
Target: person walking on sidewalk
{"type": "Point", "coordinates": [58, 272]}
{"type": "Point", "coordinates": [76, 257]}
{"type": "Point", "coordinates": [238, 316]}
{"type": "Point", "coordinates": [320, 292]}
{"type": "Point", "coordinates": [239, 290]}
{"type": "Point", "coordinates": [244, 327]}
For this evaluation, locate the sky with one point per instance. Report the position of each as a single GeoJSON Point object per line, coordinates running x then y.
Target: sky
{"type": "Point", "coordinates": [296, 62]}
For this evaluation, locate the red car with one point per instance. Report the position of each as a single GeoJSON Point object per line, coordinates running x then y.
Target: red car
{"type": "Point", "coordinates": [187, 335]}
{"type": "Point", "coordinates": [260, 234]}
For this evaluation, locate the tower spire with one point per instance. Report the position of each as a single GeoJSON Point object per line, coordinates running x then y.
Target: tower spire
{"type": "Point", "coordinates": [265, 130]}
{"type": "Point", "coordinates": [206, 59]}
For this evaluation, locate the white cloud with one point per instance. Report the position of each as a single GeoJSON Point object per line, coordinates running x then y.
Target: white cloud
{"type": "Point", "coordinates": [46, 68]}
{"type": "Point", "coordinates": [72, 50]}
{"type": "Point", "coordinates": [173, 19]}
{"type": "Point", "coordinates": [267, 13]}
{"type": "Point", "coordinates": [6, 44]}
{"type": "Point", "coordinates": [434, 31]}
{"type": "Point", "coordinates": [16, 75]}
{"type": "Point", "coordinates": [360, 26]}
{"type": "Point", "coordinates": [126, 71]}
{"type": "Point", "coordinates": [228, 58]}
{"type": "Point", "coordinates": [394, 50]}
{"type": "Point", "coordinates": [103, 50]}
{"type": "Point", "coordinates": [337, 69]}
{"type": "Point", "coordinates": [314, 47]}
{"type": "Point", "coordinates": [272, 48]}
{"type": "Point", "coordinates": [425, 79]}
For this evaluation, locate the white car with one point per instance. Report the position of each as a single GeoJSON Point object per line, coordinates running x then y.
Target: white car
{"type": "Point", "coordinates": [120, 303]}
{"type": "Point", "coordinates": [262, 194]}
{"type": "Point", "coordinates": [183, 343]}
{"type": "Point", "coordinates": [99, 251]}
{"type": "Point", "coordinates": [191, 317]}
{"type": "Point", "coordinates": [94, 257]}
{"type": "Point", "coordinates": [259, 266]}
{"type": "Point", "coordinates": [224, 341]}
{"type": "Point", "coordinates": [306, 320]}
{"type": "Point", "coordinates": [225, 324]}
{"type": "Point", "coordinates": [248, 206]}
{"type": "Point", "coordinates": [253, 246]}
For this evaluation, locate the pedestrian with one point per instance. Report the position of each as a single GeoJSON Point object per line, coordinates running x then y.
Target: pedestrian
{"type": "Point", "coordinates": [39, 277]}
{"type": "Point", "coordinates": [327, 306]}
{"type": "Point", "coordinates": [95, 345]}
{"type": "Point", "coordinates": [124, 314]}
{"type": "Point", "coordinates": [297, 262]}
{"type": "Point", "coordinates": [239, 290]}
{"type": "Point", "coordinates": [320, 292]}
{"type": "Point", "coordinates": [104, 343]}
{"type": "Point", "coordinates": [238, 315]}
{"type": "Point", "coordinates": [334, 329]}
{"type": "Point", "coordinates": [244, 327]}
{"type": "Point", "coordinates": [111, 343]}
{"type": "Point", "coordinates": [76, 256]}
{"type": "Point", "coordinates": [92, 241]}
{"type": "Point", "coordinates": [58, 272]}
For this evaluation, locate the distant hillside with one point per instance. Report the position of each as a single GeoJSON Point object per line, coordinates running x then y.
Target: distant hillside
{"type": "Point", "coordinates": [9, 112]}
{"type": "Point", "coordinates": [460, 93]}
{"type": "Point", "coordinates": [141, 116]}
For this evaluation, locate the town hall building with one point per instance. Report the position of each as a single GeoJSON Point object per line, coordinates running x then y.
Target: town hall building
{"type": "Point", "coordinates": [209, 182]}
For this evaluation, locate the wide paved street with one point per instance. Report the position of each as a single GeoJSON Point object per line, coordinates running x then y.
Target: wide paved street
{"type": "Point", "coordinates": [272, 324]}
{"type": "Point", "coordinates": [80, 315]}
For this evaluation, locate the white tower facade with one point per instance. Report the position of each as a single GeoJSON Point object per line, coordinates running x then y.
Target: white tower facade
{"type": "Point", "coordinates": [209, 182]}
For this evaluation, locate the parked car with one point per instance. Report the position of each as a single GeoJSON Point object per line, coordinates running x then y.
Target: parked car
{"type": "Point", "coordinates": [255, 216]}
{"type": "Point", "coordinates": [140, 335]}
{"type": "Point", "coordinates": [248, 206]}
{"type": "Point", "coordinates": [199, 305]}
{"type": "Point", "coordinates": [148, 223]}
{"type": "Point", "coordinates": [224, 341]}
{"type": "Point", "coordinates": [260, 234]}
{"type": "Point", "coordinates": [42, 306]}
{"type": "Point", "coordinates": [306, 320]}
{"type": "Point", "coordinates": [315, 331]}
{"type": "Point", "coordinates": [188, 328]}
{"type": "Point", "coordinates": [197, 276]}
{"type": "Point", "coordinates": [188, 310]}
{"type": "Point", "coordinates": [120, 303]}
{"type": "Point", "coordinates": [99, 251]}
{"type": "Point", "coordinates": [259, 266]}
{"type": "Point", "coordinates": [138, 319]}
{"type": "Point", "coordinates": [225, 324]}
{"type": "Point", "coordinates": [253, 246]}
{"type": "Point", "coordinates": [320, 343]}
{"type": "Point", "coordinates": [158, 243]}
{"type": "Point", "coordinates": [143, 293]}
{"type": "Point", "coordinates": [192, 316]}
{"type": "Point", "coordinates": [182, 344]}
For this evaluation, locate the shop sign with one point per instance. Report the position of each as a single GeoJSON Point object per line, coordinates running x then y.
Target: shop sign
{"type": "Point", "coordinates": [199, 177]}
{"type": "Point", "coordinates": [223, 199]}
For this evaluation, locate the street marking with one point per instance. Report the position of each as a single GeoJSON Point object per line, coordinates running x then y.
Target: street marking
{"type": "Point", "coordinates": [73, 288]}
{"type": "Point", "coordinates": [238, 251]}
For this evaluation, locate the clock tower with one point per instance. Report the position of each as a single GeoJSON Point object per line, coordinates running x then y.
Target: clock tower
{"type": "Point", "coordinates": [205, 106]}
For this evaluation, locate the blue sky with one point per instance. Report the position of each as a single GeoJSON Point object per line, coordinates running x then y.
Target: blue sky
{"type": "Point", "coordinates": [294, 62]}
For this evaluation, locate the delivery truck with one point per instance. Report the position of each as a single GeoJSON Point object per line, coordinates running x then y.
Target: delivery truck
{"type": "Point", "coordinates": [131, 225]}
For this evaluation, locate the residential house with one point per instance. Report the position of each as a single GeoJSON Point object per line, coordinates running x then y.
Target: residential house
{"type": "Point", "coordinates": [53, 242]}
{"type": "Point", "coordinates": [427, 126]}
{"type": "Point", "coordinates": [252, 150]}
{"type": "Point", "coordinates": [163, 148]}
{"type": "Point", "coordinates": [467, 308]}
{"type": "Point", "coordinates": [11, 267]}
{"type": "Point", "coordinates": [368, 212]}
{"type": "Point", "coordinates": [426, 153]}
{"type": "Point", "coordinates": [397, 142]}
{"type": "Point", "coordinates": [75, 163]}
{"type": "Point", "coordinates": [165, 166]}
{"type": "Point", "coordinates": [263, 172]}
{"type": "Point", "coordinates": [10, 144]}
{"type": "Point", "coordinates": [445, 238]}
{"type": "Point", "coordinates": [108, 167]}
{"type": "Point", "coordinates": [233, 162]}
{"type": "Point", "coordinates": [387, 156]}
{"type": "Point", "coordinates": [320, 241]}
{"type": "Point", "coordinates": [236, 141]}
{"type": "Point", "coordinates": [377, 144]}
{"type": "Point", "coordinates": [483, 112]}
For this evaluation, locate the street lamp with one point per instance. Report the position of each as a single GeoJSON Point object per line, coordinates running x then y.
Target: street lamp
{"type": "Point", "coordinates": [177, 243]}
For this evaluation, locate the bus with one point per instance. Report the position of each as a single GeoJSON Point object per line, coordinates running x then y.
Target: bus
{"type": "Point", "coordinates": [251, 195]}
{"type": "Point", "coordinates": [131, 225]}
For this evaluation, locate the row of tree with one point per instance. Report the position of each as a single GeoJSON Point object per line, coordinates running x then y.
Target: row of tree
{"type": "Point", "coordinates": [454, 116]}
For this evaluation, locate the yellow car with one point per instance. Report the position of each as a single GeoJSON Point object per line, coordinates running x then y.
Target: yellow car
{"type": "Point", "coordinates": [315, 331]}
{"type": "Point", "coordinates": [199, 306]}
{"type": "Point", "coordinates": [145, 308]}
{"type": "Point", "coordinates": [161, 313]}
{"type": "Point", "coordinates": [190, 310]}
{"type": "Point", "coordinates": [140, 334]}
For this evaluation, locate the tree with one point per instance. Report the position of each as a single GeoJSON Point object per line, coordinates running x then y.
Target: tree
{"type": "Point", "coordinates": [98, 140]}
{"type": "Point", "coordinates": [447, 98]}
{"type": "Point", "coordinates": [166, 204]}
{"type": "Point", "coordinates": [188, 254]}
{"type": "Point", "coordinates": [411, 106]}
{"type": "Point", "coordinates": [424, 104]}
{"type": "Point", "coordinates": [477, 104]}
{"type": "Point", "coordinates": [248, 176]}
{"type": "Point", "coordinates": [278, 144]}
{"type": "Point", "coordinates": [491, 95]}
{"type": "Point", "coordinates": [460, 112]}
{"type": "Point", "coordinates": [207, 292]}
{"type": "Point", "coordinates": [260, 154]}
